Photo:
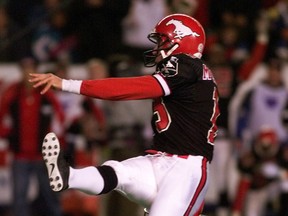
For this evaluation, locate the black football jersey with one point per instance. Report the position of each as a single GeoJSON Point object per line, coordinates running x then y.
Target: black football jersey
{"type": "Point", "coordinates": [184, 120]}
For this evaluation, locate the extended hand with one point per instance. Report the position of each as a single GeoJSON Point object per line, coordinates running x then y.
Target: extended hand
{"type": "Point", "coordinates": [48, 80]}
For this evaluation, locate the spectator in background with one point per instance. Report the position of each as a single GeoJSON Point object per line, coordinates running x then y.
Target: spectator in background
{"type": "Point", "coordinates": [262, 104]}
{"type": "Point", "coordinates": [97, 25]}
{"type": "Point", "coordinates": [25, 118]}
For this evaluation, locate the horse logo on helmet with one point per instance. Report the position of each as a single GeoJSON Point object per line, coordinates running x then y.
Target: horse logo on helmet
{"type": "Point", "coordinates": [181, 30]}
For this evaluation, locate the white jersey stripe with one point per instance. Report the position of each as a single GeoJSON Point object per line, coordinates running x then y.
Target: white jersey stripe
{"type": "Point", "coordinates": [163, 83]}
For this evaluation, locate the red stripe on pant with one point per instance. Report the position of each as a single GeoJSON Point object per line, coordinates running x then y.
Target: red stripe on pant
{"type": "Point", "coordinates": [198, 190]}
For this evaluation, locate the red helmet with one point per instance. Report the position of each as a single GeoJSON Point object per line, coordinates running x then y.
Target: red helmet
{"type": "Point", "coordinates": [174, 34]}
{"type": "Point", "coordinates": [267, 144]}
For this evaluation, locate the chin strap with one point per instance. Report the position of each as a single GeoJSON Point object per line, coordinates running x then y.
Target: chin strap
{"type": "Point", "coordinates": [169, 52]}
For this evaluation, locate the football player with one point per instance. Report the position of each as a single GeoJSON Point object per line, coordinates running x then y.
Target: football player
{"type": "Point", "coordinates": [172, 178]}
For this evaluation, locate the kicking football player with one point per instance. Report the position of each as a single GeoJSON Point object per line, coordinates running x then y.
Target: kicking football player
{"type": "Point", "coordinates": [172, 179]}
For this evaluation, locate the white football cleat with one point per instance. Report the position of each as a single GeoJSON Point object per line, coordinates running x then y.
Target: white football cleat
{"type": "Point", "coordinates": [57, 166]}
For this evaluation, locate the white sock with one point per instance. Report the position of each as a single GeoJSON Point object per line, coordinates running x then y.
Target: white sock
{"type": "Point", "coordinates": [87, 179]}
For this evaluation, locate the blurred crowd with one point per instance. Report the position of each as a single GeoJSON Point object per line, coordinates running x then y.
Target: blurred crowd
{"type": "Point", "coordinates": [246, 49]}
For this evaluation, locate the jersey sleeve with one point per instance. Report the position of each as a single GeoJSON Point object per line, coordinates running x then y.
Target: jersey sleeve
{"type": "Point", "coordinates": [130, 88]}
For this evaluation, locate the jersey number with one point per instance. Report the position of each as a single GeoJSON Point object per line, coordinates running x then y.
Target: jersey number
{"type": "Point", "coordinates": [163, 119]}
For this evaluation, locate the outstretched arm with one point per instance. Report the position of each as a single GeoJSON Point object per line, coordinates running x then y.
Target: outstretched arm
{"type": "Point", "coordinates": [130, 88]}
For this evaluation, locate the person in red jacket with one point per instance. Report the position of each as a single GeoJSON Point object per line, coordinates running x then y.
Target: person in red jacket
{"type": "Point", "coordinates": [30, 116]}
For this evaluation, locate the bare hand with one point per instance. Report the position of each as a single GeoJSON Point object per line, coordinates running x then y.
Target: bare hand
{"type": "Point", "coordinates": [48, 80]}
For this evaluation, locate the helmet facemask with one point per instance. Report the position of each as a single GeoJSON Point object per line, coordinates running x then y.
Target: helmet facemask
{"type": "Point", "coordinates": [163, 49]}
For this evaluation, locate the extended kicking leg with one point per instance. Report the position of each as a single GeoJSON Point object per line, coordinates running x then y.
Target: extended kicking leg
{"type": "Point", "coordinates": [92, 180]}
